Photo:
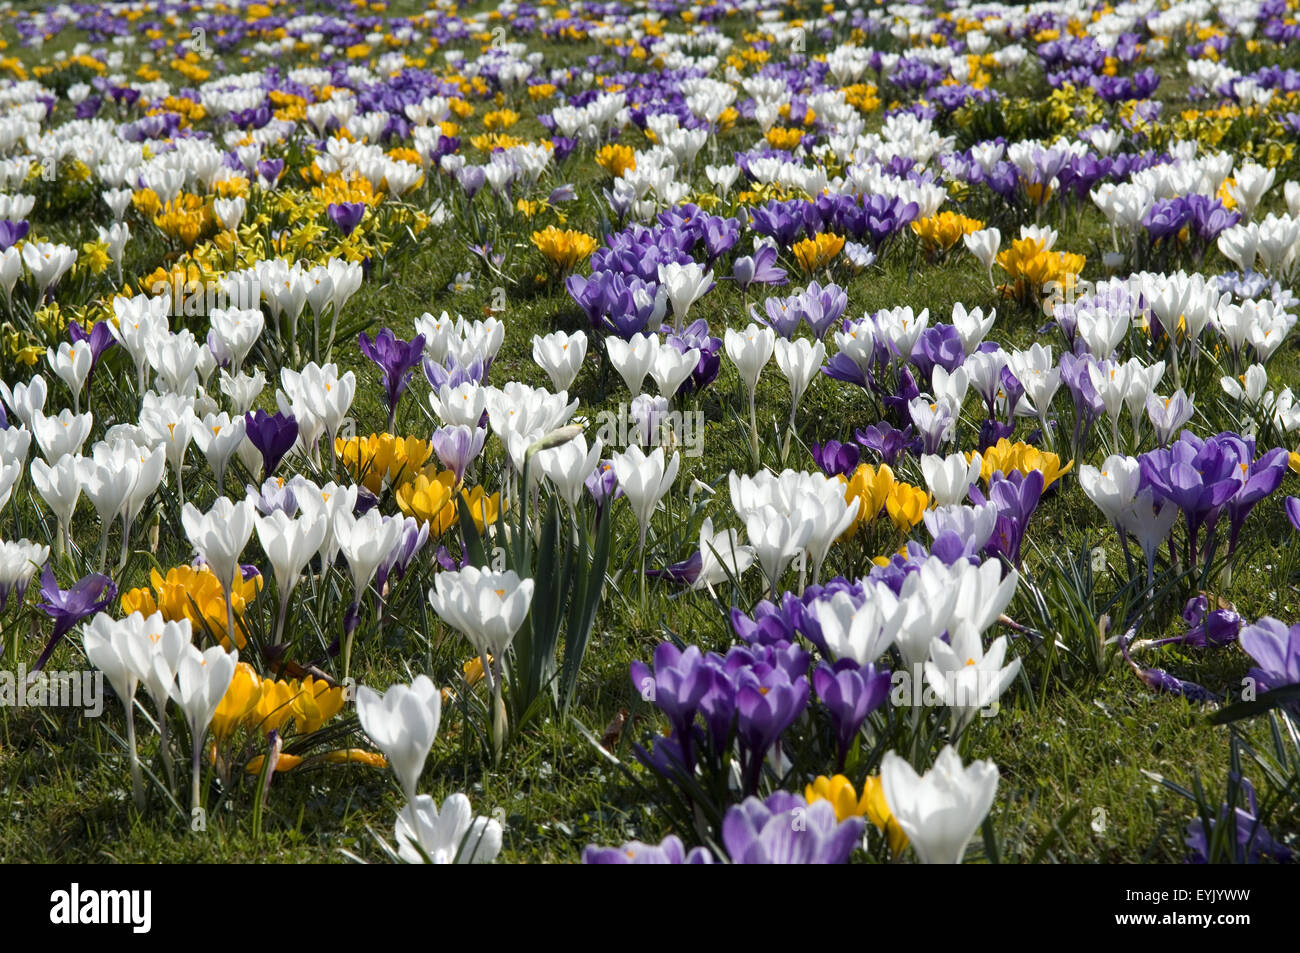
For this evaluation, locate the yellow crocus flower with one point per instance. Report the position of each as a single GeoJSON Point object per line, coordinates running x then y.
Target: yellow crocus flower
{"type": "Point", "coordinates": [839, 791]}
{"type": "Point", "coordinates": [905, 505]}
{"type": "Point", "coordinates": [239, 701]}
{"type": "Point", "coordinates": [878, 813]}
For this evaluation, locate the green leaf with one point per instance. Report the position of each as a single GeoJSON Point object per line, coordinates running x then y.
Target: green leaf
{"type": "Point", "coordinates": [1278, 697]}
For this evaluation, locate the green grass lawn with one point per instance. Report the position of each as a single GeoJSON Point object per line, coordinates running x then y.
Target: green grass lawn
{"type": "Point", "coordinates": [1078, 750]}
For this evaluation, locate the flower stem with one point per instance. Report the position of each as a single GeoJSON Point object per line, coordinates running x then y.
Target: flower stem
{"type": "Point", "coordinates": [102, 556]}
{"type": "Point", "coordinates": [137, 780]}
{"type": "Point", "coordinates": [126, 544]}
{"type": "Point", "coordinates": [753, 428]}
{"type": "Point", "coordinates": [351, 625]}
{"type": "Point", "coordinates": [230, 614]}
{"type": "Point", "coordinates": [789, 432]}
{"type": "Point", "coordinates": [196, 770]}
{"type": "Point", "coordinates": [499, 719]}
{"type": "Point", "coordinates": [279, 619]}
{"type": "Point", "coordinates": [641, 549]}
{"type": "Point", "coordinates": [165, 747]}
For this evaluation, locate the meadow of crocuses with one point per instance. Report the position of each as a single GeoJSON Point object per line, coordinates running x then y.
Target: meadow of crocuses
{"type": "Point", "coordinates": [649, 432]}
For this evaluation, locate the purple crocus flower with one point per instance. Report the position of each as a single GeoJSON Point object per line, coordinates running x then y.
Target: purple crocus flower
{"type": "Point", "coordinates": [346, 215]}
{"type": "Point", "coordinates": [786, 829]}
{"type": "Point", "coordinates": [603, 486]}
{"type": "Point", "coordinates": [561, 193]}
{"type": "Point", "coordinates": [272, 434]}
{"type": "Point", "coordinates": [589, 294]}
{"type": "Point", "coordinates": [937, 346]}
{"type": "Point", "coordinates": [1276, 652]}
{"type": "Point", "coordinates": [1205, 628]}
{"type": "Point", "coordinates": [822, 307]}
{"type": "Point", "coordinates": [676, 687]}
{"type": "Point", "coordinates": [1209, 216]}
{"type": "Point", "coordinates": [720, 235]}
{"type": "Point", "coordinates": [562, 147]}
{"type": "Point", "coordinates": [100, 339]}
{"type": "Point", "coordinates": [270, 170]}
{"type": "Point", "coordinates": [783, 315]}
{"type": "Point", "coordinates": [948, 547]}
{"type": "Point", "coordinates": [770, 624]}
{"type": "Point", "coordinates": [1158, 680]}
{"type": "Point", "coordinates": [89, 594]}
{"type": "Point", "coordinates": [1166, 218]}
{"type": "Point", "coordinates": [835, 458]}
{"type": "Point", "coordinates": [670, 850]}
{"type": "Point", "coordinates": [992, 430]}
{"type": "Point", "coordinates": [850, 693]}
{"type": "Point", "coordinates": [11, 233]}
{"type": "Point", "coordinates": [1013, 389]}
{"type": "Point", "coordinates": [1016, 497]}
{"type": "Point", "coordinates": [761, 267]}
{"type": "Point", "coordinates": [782, 221]}
{"type": "Point", "coordinates": [684, 572]}
{"type": "Point", "coordinates": [841, 367]}
{"type": "Point", "coordinates": [1208, 627]}
{"type": "Point", "coordinates": [443, 556]}
{"type": "Point", "coordinates": [274, 494]}
{"type": "Point", "coordinates": [1252, 843]}
{"type": "Point", "coordinates": [1292, 506]}
{"type": "Point", "coordinates": [396, 359]}
{"type": "Point", "coordinates": [886, 440]}
{"type": "Point", "coordinates": [898, 399]}
{"type": "Point", "coordinates": [1259, 479]}
{"type": "Point", "coordinates": [1198, 476]}
{"type": "Point", "coordinates": [457, 445]}
{"type": "Point", "coordinates": [696, 335]}
{"type": "Point", "coordinates": [767, 705]}
{"type": "Point", "coordinates": [414, 535]}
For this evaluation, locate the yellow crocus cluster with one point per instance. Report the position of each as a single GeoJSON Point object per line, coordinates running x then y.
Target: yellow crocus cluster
{"type": "Point", "coordinates": [818, 251]}
{"type": "Point", "coordinates": [185, 218]}
{"type": "Point", "coordinates": [491, 141]}
{"type": "Point", "coordinates": [193, 594]}
{"type": "Point", "coordinates": [382, 459]}
{"type": "Point", "coordinates": [941, 231]}
{"type": "Point", "coordinates": [905, 505]}
{"type": "Point", "coordinates": [263, 705]}
{"type": "Point", "coordinates": [872, 805]}
{"type": "Point", "coordinates": [1031, 266]}
{"type": "Point", "coordinates": [189, 111]}
{"type": "Point", "coordinates": [185, 278]}
{"type": "Point", "coordinates": [781, 137]}
{"type": "Point", "coordinates": [287, 762]}
{"type": "Point", "coordinates": [876, 489]}
{"type": "Point", "coordinates": [337, 188]}
{"type": "Point", "coordinates": [404, 154]}
{"type": "Point", "coordinates": [861, 96]}
{"type": "Point", "coordinates": [616, 158]}
{"type": "Point", "coordinates": [500, 119]}
{"type": "Point", "coordinates": [564, 248]}
{"type": "Point", "coordinates": [1022, 458]}
{"type": "Point", "coordinates": [430, 498]}
{"type": "Point", "coordinates": [870, 486]}
{"type": "Point", "coordinates": [146, 202]}
{"type": "Point", "coordinates": [229, 188]}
